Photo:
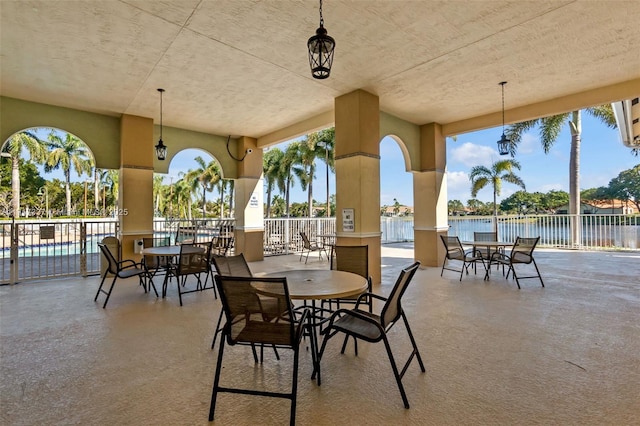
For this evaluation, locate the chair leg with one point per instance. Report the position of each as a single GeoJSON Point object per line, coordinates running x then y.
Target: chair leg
{"type": "Point", "coordinates": [151, 284]}
{"type": "Point", "coordinates": [216, 381]}
{"type": "Point", "coordinates": [413, 343]}
{"type": "Point", "coordinates": [218, 330]}
{"type": "Point", "coordinates": [294, 386]}
{"type": "Point", "coordinates": [538, 271]}
{"type": "Point", "coordinates": [109, 293]}
{"type": "Point", "coordinates": [184, 280]}
{"type": "Point", "coordinates": [95, 299]}
{"type": "Point", "coordinates": [395, 372]}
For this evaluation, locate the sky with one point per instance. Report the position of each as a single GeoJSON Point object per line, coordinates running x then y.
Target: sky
{"type": "Point", "coordinates": [602, 157]}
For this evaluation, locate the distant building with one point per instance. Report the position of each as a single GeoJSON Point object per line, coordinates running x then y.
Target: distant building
{"type": "Point", "coordinates": [392, 211]}
{"type": "Point", "coordinates": [602, 207]}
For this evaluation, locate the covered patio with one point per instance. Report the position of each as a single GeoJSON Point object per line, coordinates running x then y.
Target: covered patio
{"type": "Point", "coordinates": [565, 354]}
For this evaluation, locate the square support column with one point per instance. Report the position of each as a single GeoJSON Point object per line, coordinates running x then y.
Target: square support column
{"type": "Point", "coordinates": [430, 197]}
{"type": "Point", "coordinates": [135, 194]}
{"type": "Point", "coordinates": [249, 207]}
{"type": "Point", "coordinates": [357, 154]}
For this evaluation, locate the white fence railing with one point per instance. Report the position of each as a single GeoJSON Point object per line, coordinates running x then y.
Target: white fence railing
{"type": "Point", "coordinates": [57, 248]}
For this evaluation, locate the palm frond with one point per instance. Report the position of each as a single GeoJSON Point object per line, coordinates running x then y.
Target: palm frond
{"type": "Point", "coordinates": [478, 184]}
{"type": "Point", "coordinates": [605, 114]}
{"type": "Point", "coordinates": [550, 128]}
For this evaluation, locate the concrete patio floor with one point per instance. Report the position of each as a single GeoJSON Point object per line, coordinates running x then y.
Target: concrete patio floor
{"type": "Point", "coordinates": [566, 354]}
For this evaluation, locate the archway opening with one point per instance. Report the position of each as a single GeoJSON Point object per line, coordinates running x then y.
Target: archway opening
{"type": "Point", "coordinates": [47, 172]}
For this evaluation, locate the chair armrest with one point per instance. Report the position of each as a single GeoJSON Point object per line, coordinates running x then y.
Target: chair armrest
{"type": "Point", "coordinates": [353, 313]}
{"type": "Point", "coordinates": [129, 264]}
{"type": "Point", "coordinates": [500, 257]}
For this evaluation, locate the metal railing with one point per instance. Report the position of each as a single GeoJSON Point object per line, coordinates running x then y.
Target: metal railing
{"type": "Point", "coordinates": [596, 232]}
{"type": "Point", "coordinates": [50, 249]}
{"type": "Point", "coordinates": [282, 236]}
{"type": "Point", "coordinates": [56, 248]}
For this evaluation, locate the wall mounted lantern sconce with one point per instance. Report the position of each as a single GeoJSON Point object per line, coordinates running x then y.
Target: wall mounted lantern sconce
{"type": "Point", "coordinates": [504, 144]}
{"type": "Point", "coordinates": [161, 149]}
{"type": "Point", "coordinates": [321, 47]}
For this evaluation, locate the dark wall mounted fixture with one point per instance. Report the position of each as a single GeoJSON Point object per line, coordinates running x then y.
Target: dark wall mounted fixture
{"type": "Point", "coordinates": [247, 152]}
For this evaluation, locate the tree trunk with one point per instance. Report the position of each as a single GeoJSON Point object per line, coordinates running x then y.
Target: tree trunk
{"type": "Point", "coordinates": [268, 201]}
{"type": "Point", "coordinates": [232, 191]}
{"type": "Point", "coordinates": [574, 179]}
{"type": "Point", "coordinates": [204, 202]}
{"type": "Point", "coordinates": [15, 185]}
{"type": "Point", "coordinates": [221, 200]}
{"type": "Point", "coordinates": [310, 193]}
{"type": "Point", "coordinates": [287, 197]}
{"type": "Point", "coordinates": [67, 189]}
{"type": "Point", "coordinates": [326, 162]}
{"type": "Point", "coordinates": [495, 210]}
{"type": "Point", "coordinates": [96, 191]}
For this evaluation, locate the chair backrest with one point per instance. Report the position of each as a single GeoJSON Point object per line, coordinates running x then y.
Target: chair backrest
{"type": "Point", "coordinates": [392, 309]}
{"type": "Point", "coordinates": [453, 246]}
{"type": "Point", "coordinates": [305, 240]}
{"type": "Point", "coordinates": [485, 236]}
{"type": "Point", "coordinates": [257, 310]}
{"type": "Point", "coordinates": [353, 259]}
{"type": "Point", "coordinates": [112, 266]}
{"type": "Point", "coordinates": [235, 266]}
{"type": "Point", "coordinates": [155, 261]}
{"type": "Point", "coordinates": [186, 233]}
{"type": "Point", "coordinates": [522, 250]}
{"type": "Point", "coordinates": [194, 258]}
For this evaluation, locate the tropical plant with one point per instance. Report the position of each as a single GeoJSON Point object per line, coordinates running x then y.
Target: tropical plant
{"type": "Point", "coordinates": [325, 141]}
{"type": "Point", "coordinates": [626, 186]}
{"type": "Point", "coordinates": [455, 206]}
{"type": "Point", "coordinates": [550, 128]}
{"type": "Point", "coordinates": [501, 170]}
{"type": "Point", "coordinates": [28, 141]}
{"type": "Point", "coordinates": [290, 158]}
{"type": "Point", "coordinates": [68, 153]}
{"type": "Point", "coordinates": [272, 175]}
{"type": "Point", "coordinates": [204, 177]}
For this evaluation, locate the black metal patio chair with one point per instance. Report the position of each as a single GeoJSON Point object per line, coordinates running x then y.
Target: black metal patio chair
{"type": "Point", "coordinates": [121, 269]}
{"type": "Point", "coordinates": [374, 328]}
{"type": "Point", "coordinates": [250, 321]}
{"type": "Point", "coordinates": [456, 252]}
{"type": "Point", "coordinates": [521, 253]}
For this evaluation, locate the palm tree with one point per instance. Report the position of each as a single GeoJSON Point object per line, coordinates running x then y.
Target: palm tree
{"type": "Point", "coordinates": [68, 153]}
{"type": "Point", "coordinates": [502, 170]}
{"type": "Point", "coordinates": [112, 180]}
{"type": "Point", "coordinates": [271, 169]}
{"type": "Point", "coordinates": [206, 175]}
{"type": "Point", "coordinates": [18, 142]}
{"type": "Point", "coordinates": [305, 168]}
{"type": "Point", "coordinates": [286, 172]}
{"type": "Point", "coordinates": [550, 128]}
{"type": "Point", "coordinates": [182, 198]}
{"type": "Point", "coordinates": [325, 141]}
{"type": "Point", "coordinates": [158, 193]}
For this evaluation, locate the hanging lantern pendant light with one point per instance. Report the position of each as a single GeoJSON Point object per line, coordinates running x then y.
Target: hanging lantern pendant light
{"type": "Point", "coordinates": [504, 144]}
{"type": "Point", "coordinates": [321, 47]}
{"type": "Point", "coordinates": [161, 149]}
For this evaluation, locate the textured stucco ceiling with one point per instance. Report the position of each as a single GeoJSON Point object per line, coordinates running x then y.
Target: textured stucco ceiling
{"type": "Point", "coordinates": [240, 67]}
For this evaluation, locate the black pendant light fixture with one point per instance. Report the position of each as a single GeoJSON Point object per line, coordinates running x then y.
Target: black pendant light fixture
{"type": "Point", "coordinates": [161, 149]}
{"type": "Point", "coordinates": [321, 48]}
{"type": "Point", "coordinates": [504, 144]}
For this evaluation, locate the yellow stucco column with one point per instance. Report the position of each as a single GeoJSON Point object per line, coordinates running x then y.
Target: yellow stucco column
{"type": "Point", "coordinates": [430, 197]}
{"type": "Point", "coordinates": [135, 193]}
{"type": "Point", "coordinates": [249, 209]}
{"type": "Point", "coordinates": [357, 155]}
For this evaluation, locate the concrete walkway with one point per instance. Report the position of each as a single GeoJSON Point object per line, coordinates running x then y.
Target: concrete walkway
{"type": "Point", "coordinates": [567, 354]}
